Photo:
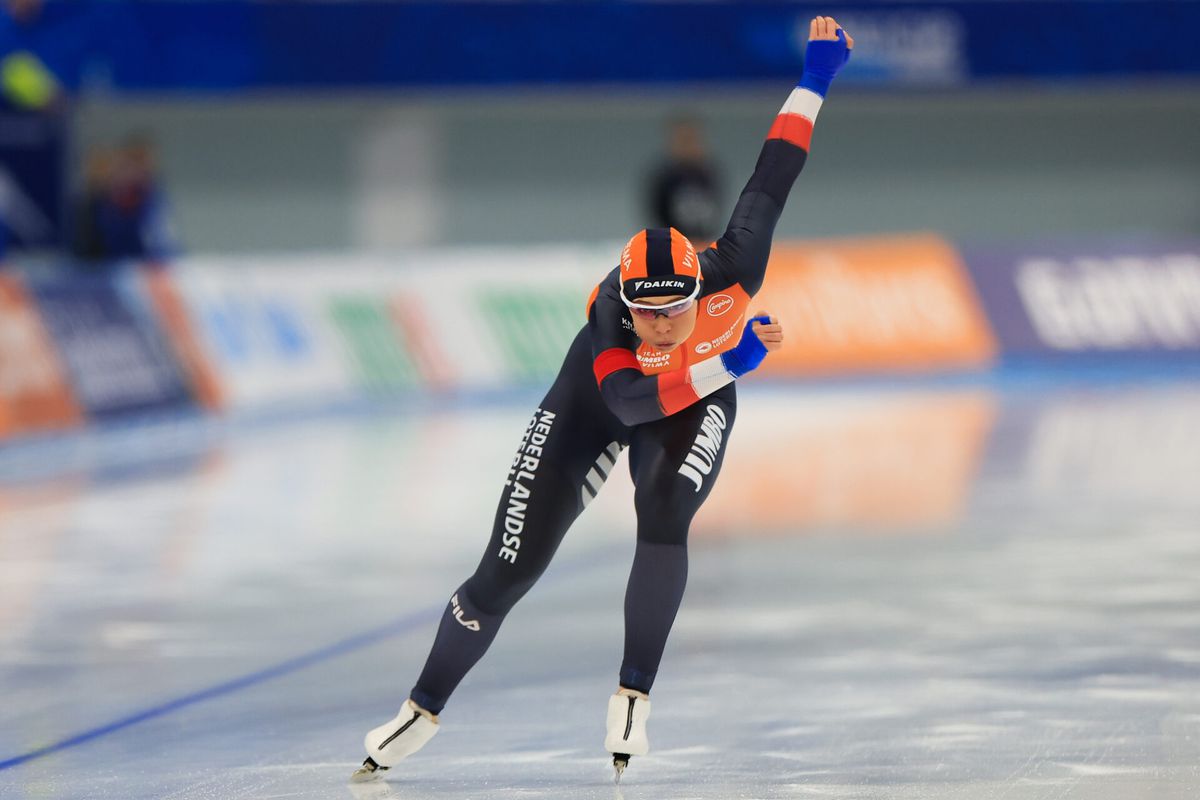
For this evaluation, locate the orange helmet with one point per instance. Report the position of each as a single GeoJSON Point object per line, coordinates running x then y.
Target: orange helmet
{"type": "Point", "coordinates": [659, 262]}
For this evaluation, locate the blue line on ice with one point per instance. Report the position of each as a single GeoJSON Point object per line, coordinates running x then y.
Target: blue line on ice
{"type": "Point", "coordinates": [348, 645]}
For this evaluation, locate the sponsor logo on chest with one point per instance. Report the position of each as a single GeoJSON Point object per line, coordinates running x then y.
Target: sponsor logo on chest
{"type": "Point", "coordinates": [718, 304]}
{"type": "Point", "coordinates": [707, 347]}
{"type": "Point", "coordinates": [650, 358]}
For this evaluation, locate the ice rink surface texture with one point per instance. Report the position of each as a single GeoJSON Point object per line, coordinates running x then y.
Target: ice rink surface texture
{"type": "Point", "coordinates": [894, 593]}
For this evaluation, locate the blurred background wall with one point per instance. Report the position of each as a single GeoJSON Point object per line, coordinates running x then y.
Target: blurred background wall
{"type": "Point", "coordinates": [372, 124]}
{"type": "Point", "coordinates": [238, 204]}
{"type": "Point", "coordinates": [542, 165]}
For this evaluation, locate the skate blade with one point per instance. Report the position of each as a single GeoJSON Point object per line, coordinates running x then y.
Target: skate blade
{"type": "Point", "coordinates": [369, 771]}
{"type": "Point", "coordinates": [620, 762]}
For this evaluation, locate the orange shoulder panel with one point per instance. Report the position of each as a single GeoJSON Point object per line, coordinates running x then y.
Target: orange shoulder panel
{"type": "Point", "coordinates": [592, 299]}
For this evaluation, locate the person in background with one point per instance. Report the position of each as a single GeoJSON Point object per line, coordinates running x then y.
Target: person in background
{"type": "Point", "coordinates": [87, 243]}
{"type": "Point", "coordinates": [134, 219]}
{"type": "Point", "coordinates": [26, 86]}
{"type": "Point", "coordinates": [45, 50]}
{"type": "Point", "coordinates": [684, 191]}
{"type": "Point", "coordinates": [19, 216]}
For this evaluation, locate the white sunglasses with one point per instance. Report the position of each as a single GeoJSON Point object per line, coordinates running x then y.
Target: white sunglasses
{"type": "Point", "coordinates": [668, 310]}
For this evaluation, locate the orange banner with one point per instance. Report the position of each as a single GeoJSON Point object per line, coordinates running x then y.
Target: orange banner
{"type": "Point", "coordinates": [174, 318]}
{"type": "Point", "coordinates": [892, 303]}
{"type": "Point", "coordinates": [34, 393]}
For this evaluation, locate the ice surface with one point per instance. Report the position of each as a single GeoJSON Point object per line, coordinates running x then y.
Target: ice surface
{"type": "Point", "coordinates": [893, 594]}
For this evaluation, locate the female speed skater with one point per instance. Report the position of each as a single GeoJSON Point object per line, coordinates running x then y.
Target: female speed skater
{"type": "Point", "coordinates": [652, 371]}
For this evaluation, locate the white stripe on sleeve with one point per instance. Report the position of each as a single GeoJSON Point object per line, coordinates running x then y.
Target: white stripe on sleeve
{"type": "Point", "coordinates": [708, 375]}
{"type": "Point", "coordinates": [804, 102]}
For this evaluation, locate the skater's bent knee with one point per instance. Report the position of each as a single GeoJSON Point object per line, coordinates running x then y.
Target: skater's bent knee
{"type": "Point", "coordinates": [664, 520]}
{"type": "Point", "coordinates": [657, 531]}
{"type": "Point", "coordinates": [493, 595]}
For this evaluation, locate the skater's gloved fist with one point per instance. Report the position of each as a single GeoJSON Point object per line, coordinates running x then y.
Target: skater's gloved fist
{"type": "Point", "coordinates": [770, 333]}
{"type": "Point", "coordinates": [751, 350]}
{"type": "Point", "coordinates": [829, 48]}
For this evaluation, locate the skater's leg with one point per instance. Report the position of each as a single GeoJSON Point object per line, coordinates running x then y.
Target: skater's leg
{"type": "Point", "coordinates": [674, 463]}
{"type": "Point", "coordinates": [568, 450]}
{"type": "Point", "coordinates": [477, 608]}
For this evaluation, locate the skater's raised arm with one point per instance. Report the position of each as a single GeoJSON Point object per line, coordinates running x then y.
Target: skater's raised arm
{"type": "Point", "coordinates": [740, 254]}
{"type": "Point", "coordinates": [650, 300]}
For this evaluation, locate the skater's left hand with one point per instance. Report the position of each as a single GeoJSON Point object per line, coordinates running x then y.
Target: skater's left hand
{"type": "Point", "coordinates": [770, 333]}
{"type": "Point", "coordinates": [829, 48]}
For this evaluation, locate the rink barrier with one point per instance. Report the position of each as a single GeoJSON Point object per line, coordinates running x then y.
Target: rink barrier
{"type": "Point", "coordinates": [34, 391]}
{"type": "Point", "coordinates": [1084, 298]}
{"type": "Point", "coordinates": [252, 336]}
{"type": "Point", "coordinates": [883, 304]}
{"type": "Point", "coordinates": [116, 355]}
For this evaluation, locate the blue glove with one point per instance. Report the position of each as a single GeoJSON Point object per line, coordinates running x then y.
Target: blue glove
{"type": "Point", "coordinates": [748, 353]}
{"type": "Point", "coordinates": [822, 60]}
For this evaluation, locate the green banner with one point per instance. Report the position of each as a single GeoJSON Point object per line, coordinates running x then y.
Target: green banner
{"type": "Point", "coordinates": [532, 328]}
{"type": "Point", "coordinates": [375, 344]}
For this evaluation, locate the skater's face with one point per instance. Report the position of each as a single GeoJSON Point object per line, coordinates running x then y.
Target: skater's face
{"type": "Point", "coordinates": [665, 333]}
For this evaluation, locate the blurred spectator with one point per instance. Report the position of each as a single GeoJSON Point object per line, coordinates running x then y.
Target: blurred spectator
{"type": "Point", "coordinates": [684, 191]}
{"type": "Point", "coordinates": [45, 49]}
{"type": "Point", "coordinates": [87, 242]}
{"type": "Point", "coordinates": [19, 216]}
{"type": "Point", "coordinates": [123, 210]}
{"type": "Point", "coordinates": [28, 88]}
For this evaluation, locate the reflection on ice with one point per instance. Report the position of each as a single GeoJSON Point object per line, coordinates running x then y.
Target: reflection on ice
{"type": "Point", "coordinates": [892, 595]}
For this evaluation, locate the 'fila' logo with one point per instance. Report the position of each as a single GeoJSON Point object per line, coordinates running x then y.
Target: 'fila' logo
{"type": "Point", "coordinates": [469, 624]}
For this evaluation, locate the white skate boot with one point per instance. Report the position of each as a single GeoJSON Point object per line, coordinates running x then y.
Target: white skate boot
{"type": "Point", "coordinates": [628, 711]}
{"type": "Point", "coordinates": [394, 741]}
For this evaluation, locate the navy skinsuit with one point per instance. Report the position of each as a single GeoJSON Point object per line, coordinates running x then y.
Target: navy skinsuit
{"type": "Point", "coordinates": [573, 440]}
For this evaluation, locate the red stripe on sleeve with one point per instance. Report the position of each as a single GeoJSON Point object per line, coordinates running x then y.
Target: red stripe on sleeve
{"type": "Point", "coordinates": [792, 128]}
{"type": "Point", "coordinates": [611, 360]}
{"type": "Point", "coordinates": [674, 392]}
